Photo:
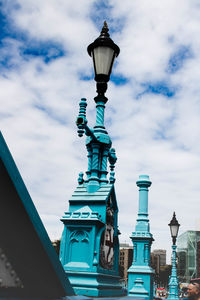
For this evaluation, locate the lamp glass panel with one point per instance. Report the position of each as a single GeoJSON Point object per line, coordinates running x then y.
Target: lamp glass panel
{"type": "Point", "coordinates": [174, 230]}
{"type": "Point", "coordinates": [103, 57]}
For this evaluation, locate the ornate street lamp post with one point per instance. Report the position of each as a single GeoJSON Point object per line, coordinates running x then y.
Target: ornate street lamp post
{"type": "Point", "coordinates": [173, 281]}
{"type": "Point", "coordinates": [89, 248]}
{"type": "Point", "coordinates": [103, 51]}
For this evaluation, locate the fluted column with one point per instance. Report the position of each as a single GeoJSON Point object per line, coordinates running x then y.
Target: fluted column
{"type": "Point", "coordinates": [88, 172]}
{"type": "Point", "coordinates": [140, 274]}
{"type": "Point", "coordinates": [104, 162]}
{"type": "Point", "coordinates": [93, 184]}
{"type": "Point", "coordinates": [100, 114]}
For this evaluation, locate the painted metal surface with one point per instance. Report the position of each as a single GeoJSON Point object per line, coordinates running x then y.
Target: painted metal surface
{"type": "Point", "coordinates": [8, 276]}
{"type": "Point", "coordinates": [89, 249]}
{"type": "Point", "coordinates": [98, 144]}
{"type": "Point", "coordinates": [173, 281]}
{"type": "Point", "coordinates": [140, 274]}
{"type": "Point", "coordinates": [89, 246]}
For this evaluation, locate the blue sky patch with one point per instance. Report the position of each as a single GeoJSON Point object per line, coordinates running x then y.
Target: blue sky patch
{"type": "Point", "coordinates": [6, 63]}
{"type": "Point", "coordinates": [8, 56]}
{"type": "Point", "coordinates": [48, 51]}
{"type": "Point", "coordinates": [102, 11]}
{"type": "Point", "coordinates": [163, 133]}
{"type": "Point", "coordinates": [86, 77]}
{"type": "Point", "coordinates": [3, 24]}
{"type": "Point", "coordinates": [158, 88]}
{"type": "Point", "coordinates": [118, 79]}
{"type": "Point", "coordinates": [160, 135]}
{"type": "Point", "coordinates": [177, 60]}
{"type": "Point", "coordinates": [8, 29]}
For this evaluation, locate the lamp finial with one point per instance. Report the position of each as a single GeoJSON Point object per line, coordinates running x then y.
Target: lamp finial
{"type": "Point", "coordinates": [105, 29]}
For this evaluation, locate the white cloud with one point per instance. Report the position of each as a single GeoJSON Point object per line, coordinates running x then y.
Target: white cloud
{"type": "Point", "coordinates": [152, 133]}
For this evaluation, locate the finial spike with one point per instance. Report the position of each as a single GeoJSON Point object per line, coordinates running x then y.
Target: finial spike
{"type": "Point", "coordinates": [105, 25]}
{"type": "Point", "coordinates": [105, 29]}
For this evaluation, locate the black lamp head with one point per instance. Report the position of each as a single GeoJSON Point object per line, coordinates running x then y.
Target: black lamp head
{"type": "Point", "coordinates": [103, 51]}
{"type": "Point", "coordinates": [174, 227]}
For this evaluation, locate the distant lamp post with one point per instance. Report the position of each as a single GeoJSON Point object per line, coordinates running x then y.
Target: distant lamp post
{"type": "Point", "coordinates": [173, 281]}
{"type": "Point", "coordinates": [103, 51]}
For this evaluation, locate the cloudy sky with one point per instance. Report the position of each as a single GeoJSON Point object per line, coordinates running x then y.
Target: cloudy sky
{"type": "Point", "coordinates": [152, 116]}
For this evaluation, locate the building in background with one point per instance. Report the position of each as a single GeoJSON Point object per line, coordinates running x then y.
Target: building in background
{"type": "Point", "coordinates": [125, 260]}
{"type": "Point", "coordinates": [155, 262]}
{"type": "Point", "coordinates": [162, 271]}
{"type": "Point", "coordinates": [161, 254]}
{"type": "Point", "coordinates": [188, 254]}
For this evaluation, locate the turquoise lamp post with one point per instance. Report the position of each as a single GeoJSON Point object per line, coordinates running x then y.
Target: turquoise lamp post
{"type": "Point", "coordinates": [173, 281]}
{"type": "Point", "coordinates": [103, 52]}
{"type": "Point", "coordinates": [140, 274]}
{"type": "Point", "coordinates": [89, 249]}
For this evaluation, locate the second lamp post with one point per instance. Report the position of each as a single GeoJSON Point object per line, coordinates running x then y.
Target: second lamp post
{"type": "Point", "coordinates": [173, 281]}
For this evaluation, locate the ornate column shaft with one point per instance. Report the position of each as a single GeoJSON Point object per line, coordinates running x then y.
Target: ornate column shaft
{"type": "Point", "coordinates": [142, 221]}
{"type": "Point", "coordinates": [173, 282]}
{"type": "Point", "coordinates": [88, 172]}
{"type": "Point", "coordinates": [140, 274]}
{"type": "Point", "coordinates": [104, 161]}
{"type": "Point", "coordinates": [93, 184]}
{"type": "Point", "coordinates": [100, 114]}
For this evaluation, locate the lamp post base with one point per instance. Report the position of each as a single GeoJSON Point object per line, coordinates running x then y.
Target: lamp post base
{"type": "Point", "coordinates": [95, 284]}
{"type": "Point", "coordinates": [173, 281]}
{"type": "Point", "coordinates": [173, 290]}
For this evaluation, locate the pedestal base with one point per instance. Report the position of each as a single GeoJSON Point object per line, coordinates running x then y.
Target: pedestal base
{"type": "Point", "coordinates": [95, 284]}
{"type": "Point", "coordinates": [140, 282]}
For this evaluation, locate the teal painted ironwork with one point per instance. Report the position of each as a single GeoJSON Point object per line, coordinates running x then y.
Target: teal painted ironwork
{"type": "Point", "coordinates": [89, 249]}
{"type": "Point", "coordinates": [140, 274]}
{"type": "Point", "coordinates": [98, 144]}
{"type": "Point", "coordinates": [173, 280]}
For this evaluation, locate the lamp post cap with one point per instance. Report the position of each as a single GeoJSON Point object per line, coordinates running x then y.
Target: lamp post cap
{"type": "Point", "coordinates": [144, 177]}
{"type": "Point", "coordinates": [104, 40]}
{"type": "Point", "coordinates": [143, 181]}
{"type": "Point", "coordinates": [174, 221]}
